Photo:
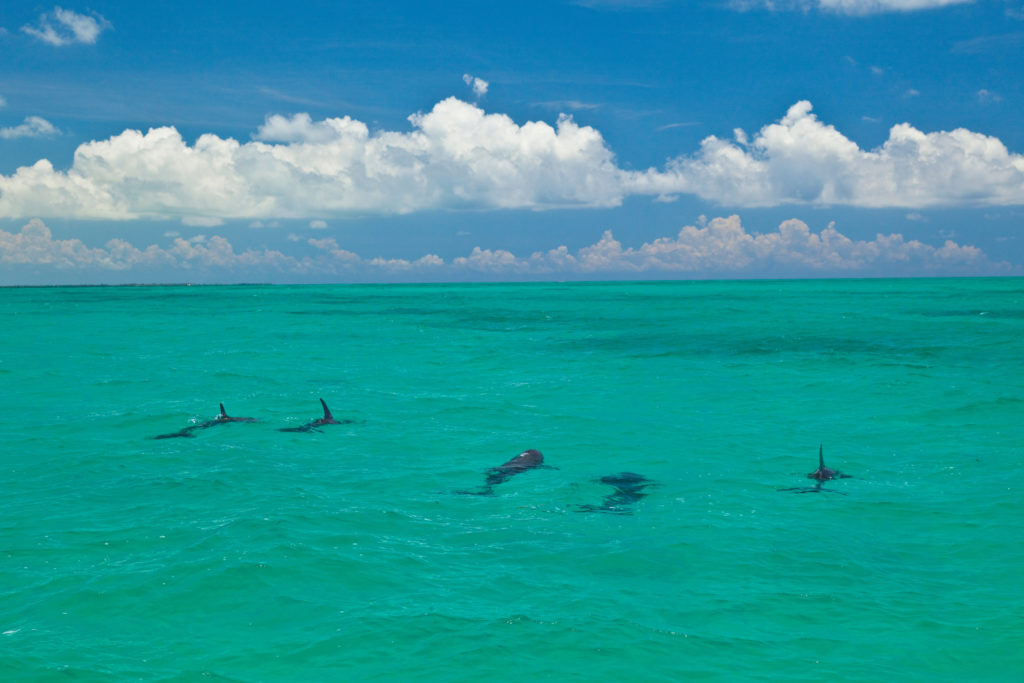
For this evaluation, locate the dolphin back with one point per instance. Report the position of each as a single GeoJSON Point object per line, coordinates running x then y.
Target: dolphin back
{"type": "Point", "coordinates": [527, 460]}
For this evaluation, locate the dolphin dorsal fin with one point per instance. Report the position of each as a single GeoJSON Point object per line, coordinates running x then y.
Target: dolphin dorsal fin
{"type": "Point", "coordinates": [222, 413]}
{"type": "Point", "coordinates": [821, 457]}
{"type": "Point", "coordinates": [327, 411]}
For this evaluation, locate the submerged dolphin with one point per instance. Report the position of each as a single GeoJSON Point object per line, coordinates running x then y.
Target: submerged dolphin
{"type": "Point", "coordinates": [821, 475]}
{"type": "Point", "coordinates": [629, 488]}
{"type": "Point", "coordinates": [327, 419]}
{"type": "Point", "coordinates": [222, 418]}
{"type": "Point", "coordinates": [527, 460]}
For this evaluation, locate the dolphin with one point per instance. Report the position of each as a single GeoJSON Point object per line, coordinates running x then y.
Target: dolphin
{"type": "Point", "coordinates": [327, 419]}
{"type": "Point", "coordinates": [824, 473]}
{"type": "Point", "coordinates": [821, 475]}
{"type": "Point", "coordinates": [222, 418]}
{"type": "Point", "coordinates": [527, 460]}
{"type": "Point", "coordinates": [629, 488]}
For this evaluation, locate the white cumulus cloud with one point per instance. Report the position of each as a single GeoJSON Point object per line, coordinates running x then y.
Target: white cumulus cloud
{"type": "Point", "coordinates": [478, 85]}
{"type": "Point", "coordinates": [853, 7]}
{"type": "Point", "coordinates": [33, 127]}
{"type": "Point", "coordinates": [876, 6]}
{"type": "Point", "coordinates": [65, 27]}
{"type": "Point", "coordinates": [456, 156]}
{"type": "Point", "coordinates": [800, 160]}
{"type": "Point", "coordinates": [301, 128]}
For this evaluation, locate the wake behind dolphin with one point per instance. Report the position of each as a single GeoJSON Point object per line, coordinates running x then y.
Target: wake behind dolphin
{"type": "Point", "coordinates": [313, 426]}
{"type": "Point", "coordinates": [629, 488]}
{"type": "Point", "coordinates": [821, 475]}
{"type": "Point", "coordinates": [222, 418]}
{"type": "Point", "coordinates": [527, 460]}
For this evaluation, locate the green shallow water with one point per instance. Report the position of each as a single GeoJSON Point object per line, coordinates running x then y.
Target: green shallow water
{"type": "Point", "coordinates": [249, 554]}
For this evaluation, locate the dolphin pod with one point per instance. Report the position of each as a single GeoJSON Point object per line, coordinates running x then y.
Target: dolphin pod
{"type": "Point", "coordinates": [628, 486]}
{"type": "Point", "coordinates": [224, 418]}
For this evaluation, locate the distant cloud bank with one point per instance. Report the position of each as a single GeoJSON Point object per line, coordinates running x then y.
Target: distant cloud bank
{"type": "Point", "coordinates": [456, 156]}
{"type": "Point", "coordinates": [719, 247]}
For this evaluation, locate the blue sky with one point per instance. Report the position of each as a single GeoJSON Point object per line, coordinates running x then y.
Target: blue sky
{"type": "Point", "coordinates": [586, 140]}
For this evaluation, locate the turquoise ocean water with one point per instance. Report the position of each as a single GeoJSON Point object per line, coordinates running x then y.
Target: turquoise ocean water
{"type": "Point", "coordinates": [250, 554]}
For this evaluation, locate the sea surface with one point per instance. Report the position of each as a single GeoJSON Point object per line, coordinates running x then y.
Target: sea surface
{"type": "Point", "coordinates": [359, 552]}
